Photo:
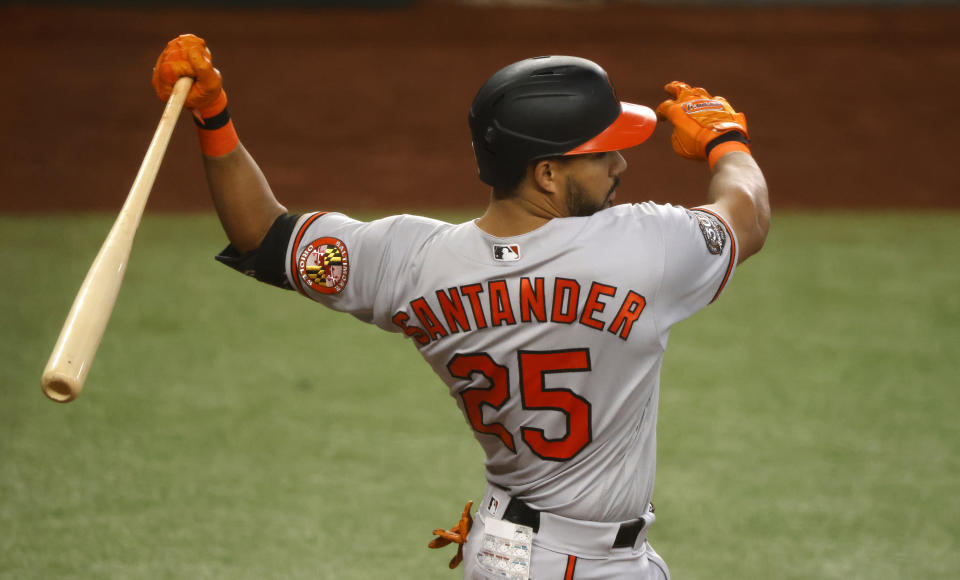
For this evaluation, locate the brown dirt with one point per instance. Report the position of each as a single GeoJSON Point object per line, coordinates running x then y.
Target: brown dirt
{"type": "Point", "coordinates": [848, 108]}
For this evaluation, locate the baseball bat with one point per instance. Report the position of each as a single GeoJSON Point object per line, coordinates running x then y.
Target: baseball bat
{"type": "Point", "coordinates": [70, 361]}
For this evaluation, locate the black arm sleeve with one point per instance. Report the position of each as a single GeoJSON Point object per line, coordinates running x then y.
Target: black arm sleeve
{"type": "Point", "coordinates": [266, 263]}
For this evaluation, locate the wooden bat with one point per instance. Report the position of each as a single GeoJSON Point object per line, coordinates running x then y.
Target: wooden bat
{"type": "Point", "coordinates": [80, 336]}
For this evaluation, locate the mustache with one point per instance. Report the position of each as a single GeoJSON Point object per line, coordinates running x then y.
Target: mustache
{"type": "Point", "coordinates": [616, 183]}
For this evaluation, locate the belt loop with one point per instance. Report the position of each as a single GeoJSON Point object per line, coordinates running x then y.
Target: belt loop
{"type": "Point", "coordinates": [648, 519]}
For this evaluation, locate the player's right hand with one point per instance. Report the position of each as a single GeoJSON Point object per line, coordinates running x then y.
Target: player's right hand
{"type": "Point", "coordinates": [188, 56]}
{"type": "Point", "coordinates": [698, 119]}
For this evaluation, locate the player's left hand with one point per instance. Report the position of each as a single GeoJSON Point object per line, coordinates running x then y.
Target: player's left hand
{"type": "Point", "coordinates": [457, 534]}
{"type": "Point", "coordinates": [698, 119]}
{"type": "Point", "coordinates": [188, 56]}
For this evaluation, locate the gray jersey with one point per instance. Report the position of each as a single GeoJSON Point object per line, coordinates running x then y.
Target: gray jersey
{"type": "Point", "coordinates": [551, 342]}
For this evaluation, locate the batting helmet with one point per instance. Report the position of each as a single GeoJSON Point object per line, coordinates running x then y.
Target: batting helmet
{"type": "Point", "coordinates": [549, 106]}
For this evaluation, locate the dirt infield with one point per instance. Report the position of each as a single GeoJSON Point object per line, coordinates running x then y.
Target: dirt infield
{"type": "Point", "coordinates": [848, 108]}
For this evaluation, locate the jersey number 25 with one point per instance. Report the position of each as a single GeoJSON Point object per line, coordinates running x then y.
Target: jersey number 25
{"type": "Point", "coordinates": [534, 366]}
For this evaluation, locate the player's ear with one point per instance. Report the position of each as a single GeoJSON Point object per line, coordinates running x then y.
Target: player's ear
{"type": "Point", "coordinates": [546, 174]}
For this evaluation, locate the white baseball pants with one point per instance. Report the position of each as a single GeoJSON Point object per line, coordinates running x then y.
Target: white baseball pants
{"type": "Point", "coordinates": [565, 549]}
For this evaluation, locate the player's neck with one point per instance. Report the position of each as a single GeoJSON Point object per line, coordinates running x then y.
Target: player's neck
{"type": "Point", "coordinates": [515, 216]}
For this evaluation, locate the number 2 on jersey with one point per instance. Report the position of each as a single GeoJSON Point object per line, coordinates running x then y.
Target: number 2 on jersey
{"type": "Point", "coordinates": [534, 367]}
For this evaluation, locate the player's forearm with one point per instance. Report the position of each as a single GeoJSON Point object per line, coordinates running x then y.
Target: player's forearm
{"type": "Point", "coordinates": [242, 197]}
{"type": "Point", "coordinates": [740, 191]}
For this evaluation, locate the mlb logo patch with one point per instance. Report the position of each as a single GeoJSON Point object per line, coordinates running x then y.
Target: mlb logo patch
{"type": "Point", "coordinates": [494, 504]}
{"type": "Point", "coordinates": [506, 253]}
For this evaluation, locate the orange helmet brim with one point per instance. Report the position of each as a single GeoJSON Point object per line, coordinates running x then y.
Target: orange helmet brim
{"type": "Point", "coordinates": [634, 126]}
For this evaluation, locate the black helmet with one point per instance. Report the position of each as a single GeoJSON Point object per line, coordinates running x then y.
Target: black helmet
{"type": "Point", "coordinates": [549, 106]}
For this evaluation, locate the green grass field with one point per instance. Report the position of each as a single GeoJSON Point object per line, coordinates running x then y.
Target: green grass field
{"type": "Point", "coordinates": [809, 426]}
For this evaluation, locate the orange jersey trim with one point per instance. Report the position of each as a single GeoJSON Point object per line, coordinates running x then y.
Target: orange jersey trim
{"type": "Point", "coordinates": [733, 251]}
{"type": "Point", "coordinates": [571, 565]}
{"type": "Point", "coordinates": [294, 271]}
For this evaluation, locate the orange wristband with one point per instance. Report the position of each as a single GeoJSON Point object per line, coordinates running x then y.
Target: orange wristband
{"type": "Point", "coordinates": [215, 128]}
{"type": "Point", "coordinates": [726, 143]}
{"type": "Point", "coordinates": [217, 142]}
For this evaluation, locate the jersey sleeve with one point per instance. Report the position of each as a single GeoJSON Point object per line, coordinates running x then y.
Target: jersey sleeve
{"type": "Point", "coordinates": [700, 255]}
{"type": "Point", "coordinates": [354, 266]}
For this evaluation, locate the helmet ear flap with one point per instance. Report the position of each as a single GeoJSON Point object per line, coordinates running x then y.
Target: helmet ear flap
{"type": "Point", "coordinates": [490, 135]}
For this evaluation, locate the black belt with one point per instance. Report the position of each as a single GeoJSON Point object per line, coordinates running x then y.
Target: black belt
{"type": "Point", "coordinates": [520, 513]}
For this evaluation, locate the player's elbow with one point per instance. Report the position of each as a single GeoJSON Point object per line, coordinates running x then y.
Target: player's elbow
{"type": "Point", "coordinates": [246, 232]}
{"type": "Point", "coordinates": [754, 229]}
{"type": "Point", "coordinates": [739, 191]}
{"type": "Point", "coordinates": [750, 211]}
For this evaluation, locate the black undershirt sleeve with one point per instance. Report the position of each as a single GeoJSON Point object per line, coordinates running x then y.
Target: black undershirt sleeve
{"type": "Point", "coordinates": [266, 263]}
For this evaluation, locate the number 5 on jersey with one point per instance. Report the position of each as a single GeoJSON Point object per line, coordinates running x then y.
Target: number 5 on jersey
{"type": "Point", "coordinates": [534, 367]}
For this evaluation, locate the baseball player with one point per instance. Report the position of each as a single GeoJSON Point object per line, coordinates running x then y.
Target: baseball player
{"type": "Point", "coordinates": [547, 317]}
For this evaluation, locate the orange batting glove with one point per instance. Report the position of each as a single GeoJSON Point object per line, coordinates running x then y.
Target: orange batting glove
{"type": "Point", "coordinates": [704, 127]}
{"type": "Point", "coordinates": [188, 56]}
{"type": "Point", "coordinates": [457, 533]}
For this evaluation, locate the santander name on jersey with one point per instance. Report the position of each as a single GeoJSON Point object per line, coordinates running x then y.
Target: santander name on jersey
{"type": "Point", "coordinates": [520, 301]}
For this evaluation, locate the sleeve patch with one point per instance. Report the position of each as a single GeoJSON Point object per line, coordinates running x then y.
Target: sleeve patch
{"type": "Point", "coordinates": [714, 234]}
{"type": "Point", "coordinates": [324, 265]}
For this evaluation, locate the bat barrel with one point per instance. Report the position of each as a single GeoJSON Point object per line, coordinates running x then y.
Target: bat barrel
{"type": "Point", "coordinates": [80, 336]}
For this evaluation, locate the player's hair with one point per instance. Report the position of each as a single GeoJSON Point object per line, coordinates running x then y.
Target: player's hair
{"type": "Point", "coordinates": [513, 190]}
{"type": "Point", "coordinates": [549, 106]}
{"type": "Point", "coordinates": [508, 192]}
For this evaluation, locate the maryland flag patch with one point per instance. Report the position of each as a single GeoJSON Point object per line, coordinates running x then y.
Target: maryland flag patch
{"type": "Point", "coordinates": [324, 265]}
